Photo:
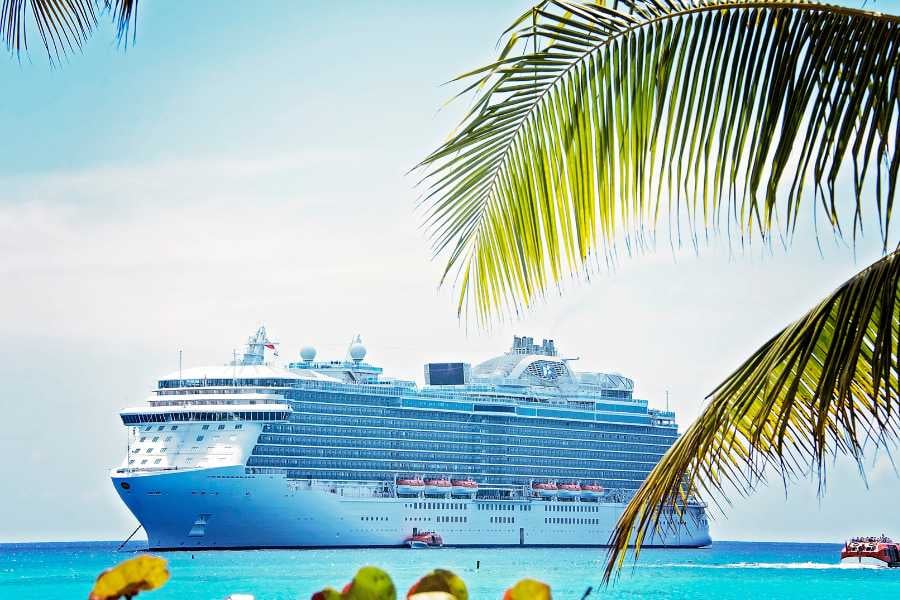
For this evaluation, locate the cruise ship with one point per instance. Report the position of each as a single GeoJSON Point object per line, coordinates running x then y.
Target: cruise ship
{"type": "Point", "coordinates": [519, 450]}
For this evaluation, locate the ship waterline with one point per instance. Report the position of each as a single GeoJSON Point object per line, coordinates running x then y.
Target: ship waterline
{"type": "Point", "coordinates": [517, 451]}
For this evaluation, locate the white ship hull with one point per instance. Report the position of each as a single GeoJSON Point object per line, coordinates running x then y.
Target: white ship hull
{"type": "Point", "coordinates": [220, 508]}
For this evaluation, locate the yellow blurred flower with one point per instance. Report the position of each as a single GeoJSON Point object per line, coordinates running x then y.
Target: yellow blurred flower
{"type": "Point", "coordinates": [528, 589]}
{"type": "Point", "coordinates": [125, 580]}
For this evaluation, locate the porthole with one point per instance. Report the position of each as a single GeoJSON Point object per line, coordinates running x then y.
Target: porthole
{"type": "Point", "coordinates": [125, 485]}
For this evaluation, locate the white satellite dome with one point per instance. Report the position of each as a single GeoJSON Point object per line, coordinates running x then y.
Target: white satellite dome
{"type": "Point", "coordinates": [307, 353]}
{"type": "Point", "coordinates": [357, 351]}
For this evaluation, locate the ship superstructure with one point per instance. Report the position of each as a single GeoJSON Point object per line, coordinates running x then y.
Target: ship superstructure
{"type": "Point", "coordinates": [518, 450]}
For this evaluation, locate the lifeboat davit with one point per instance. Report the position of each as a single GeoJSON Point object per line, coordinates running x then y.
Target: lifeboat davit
{"type": "Point", "coordinates": [437, 486]}
{"type": "Point", "coordinates": [463, 487]}
{"type": "Point", "coordinates": [409, 486]}
{"type": "Point", "coordinates": [425, 539]}
{"type": "Point", "coordinates": [569, 490]}
{"type": "Point", "coordinates": [591, 491]}
{"type": "Point", "coordinates": [881, 551]}
{"type": "Point", "coordinates": [545, 489]}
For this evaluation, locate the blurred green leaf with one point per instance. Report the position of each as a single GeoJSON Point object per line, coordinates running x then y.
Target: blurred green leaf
{"type": "Point", "coordinates": [370, 583]}
{"type": "Point", "coordinates": [439, 581]}
{"type": "Point", "coordinates": [327, 594]}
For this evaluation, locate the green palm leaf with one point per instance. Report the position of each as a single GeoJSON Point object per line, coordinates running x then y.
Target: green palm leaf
{"type": "Point", "coordinates": [62, 25]}
{"type": "Point", "coordinates": [596, 123]}
{"type": "Point", "coordinates": [825, 384]}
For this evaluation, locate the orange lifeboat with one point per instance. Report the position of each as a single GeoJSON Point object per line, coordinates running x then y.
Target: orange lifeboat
{"type": "Point", "coordinates": [409, 486]}
{"type": "Point", "coordinates": [463, 487]}
{"type": "Point", "coordinates": [437, 486]}
{"type": "Point", "coordinates": [591, 491]}
{"type": "Point", "coordinates": [425, 539]}
{"type": "Point", "coordinates": [569, 490]}
{"type": "Point", "coordinates": [545, 489]}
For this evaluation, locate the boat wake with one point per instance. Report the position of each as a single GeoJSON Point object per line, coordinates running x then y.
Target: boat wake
{"type": "Point", "coordinates": [808, 565]}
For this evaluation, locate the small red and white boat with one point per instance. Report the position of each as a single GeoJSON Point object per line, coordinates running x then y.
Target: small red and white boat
{"type": "Point", "coordinates": [410, 485]}
{"type": "Point", "coordinates": [437, 486]}
{"type": "Point", "coordinates": [569, 490]}
{"type": "Point", "coordinates": [591, 491]}
{"type": "Point", "coordinates": [544, 489]}
{"type": "Point", "coordinates": [425, 539]}
{"type": "Point", "coordinates": [464, 487]}
{"type": "Point", "coordinates": [882, 551]}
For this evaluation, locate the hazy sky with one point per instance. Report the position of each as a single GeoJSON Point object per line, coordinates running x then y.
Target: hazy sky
{"type": "Point", "coordinates": [244, 165]}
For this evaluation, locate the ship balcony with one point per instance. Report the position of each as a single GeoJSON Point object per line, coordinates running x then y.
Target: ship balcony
{"type": "Point", "coordinates": [274, 412]}
{"type": "Point", "coordinates": [219, 399]}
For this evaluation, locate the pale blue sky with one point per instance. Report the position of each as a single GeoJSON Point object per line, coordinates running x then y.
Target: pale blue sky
{"type": "Point", "coordinates": [247, 165]}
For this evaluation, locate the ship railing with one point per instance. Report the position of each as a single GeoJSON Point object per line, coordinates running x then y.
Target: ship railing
{"type": "Point", "coordinates": [490, 393]}
{"type": "Point", "coordinates": [347, 489]}
{"type": "Point", "coordinates": [153, 469]}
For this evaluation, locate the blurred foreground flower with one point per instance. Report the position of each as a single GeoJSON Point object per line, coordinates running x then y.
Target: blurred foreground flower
{"type": "Point", "coordinates": [127, 579]}
{"type": "Point", "coordinates": [440, 584]}
{"type": "Point", "coordinates": [528, 589]}
{"type": "Point", "coordinates": [370, 583]}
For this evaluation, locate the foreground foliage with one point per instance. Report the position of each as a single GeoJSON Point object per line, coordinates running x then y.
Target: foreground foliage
{"type": "Point", "coordinates": [63, 26]}
{"type": "Point", "coordinates": [129, 578]}
{"type": "Point", "coordinates": [371, 583]}
{"type": "Point", "coordinates": [147, 572]}
{"type": "Point", "coordinates": [599, 120]}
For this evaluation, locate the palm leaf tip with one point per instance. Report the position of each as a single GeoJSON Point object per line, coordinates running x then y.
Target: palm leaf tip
{"type": "Point", "coordinates": [124, 14]}
{"type": "Point", "coordinates": [595, 122]}
{"type": "Point", "coordinates": [827, 384]}
{"type": "Point", "coordinates": [63, 26]}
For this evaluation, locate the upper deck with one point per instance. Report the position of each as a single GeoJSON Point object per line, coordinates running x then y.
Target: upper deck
{"type": "Point", "coordinates": [529, 380]}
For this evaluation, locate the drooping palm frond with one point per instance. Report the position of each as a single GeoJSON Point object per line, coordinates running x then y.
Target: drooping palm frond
{"type": "Point", "coordinates": [62, 25]}
{"type": "Point", "coordinates": [826, 384]}
{"type": "Point", "coordinates": [596, 121]}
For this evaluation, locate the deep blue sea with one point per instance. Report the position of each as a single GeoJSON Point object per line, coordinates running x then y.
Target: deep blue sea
{"type": "Point", "coordinates": [726, 570]}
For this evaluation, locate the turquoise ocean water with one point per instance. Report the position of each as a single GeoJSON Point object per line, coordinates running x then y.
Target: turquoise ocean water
{"type": "Point", "coordinates": [726, 570]}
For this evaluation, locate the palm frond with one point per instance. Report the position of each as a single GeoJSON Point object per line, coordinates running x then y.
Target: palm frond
{"type": "Point", "coordinates": [62, 25]}
{"type": "Point", "coordinates": [826, 384]}
{"type": "Point", "coordinates": [596, 122]}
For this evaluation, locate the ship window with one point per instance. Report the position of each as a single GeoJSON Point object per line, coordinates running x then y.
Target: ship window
{"type": "Point", "coordinates": [143, 439]}
{"type": "Point", "coordinates": [144, 462]}
{"type": "Point", "coordinates": [148, 427]}
{"type": "Point", "coordinates": [156, 439]}
{"type": "Point", "coordinates": [156, 462]}
{"type": "Point", "coordinates": [205, 427]}
{"type": "Point", "coordinates": [168, 438]}
{"type": "Point", "coordinates": [222, 426]}
{"type": "Point", "coordinates": [174, 427]}
{"type": "Point", "coordinates": [162, 450]}
{"type": "Point", "coordinates": [199, 438]}
{"type": "Point", "coordinates": [161, 427]}
{"type": "Point", "coordinates": [149, 450]}
{"type": "Point", "coordinates": [238, 426]}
